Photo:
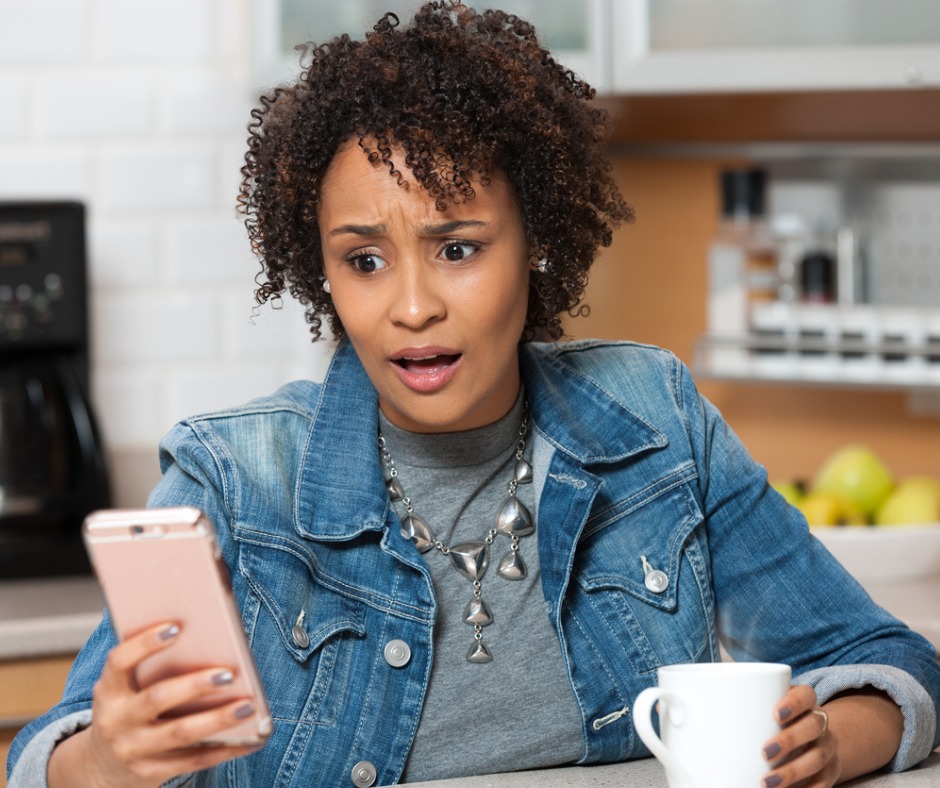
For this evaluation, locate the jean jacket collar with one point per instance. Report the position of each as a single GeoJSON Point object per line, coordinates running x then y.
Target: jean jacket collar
{"type": "Point", "coordinates": [342, 491]}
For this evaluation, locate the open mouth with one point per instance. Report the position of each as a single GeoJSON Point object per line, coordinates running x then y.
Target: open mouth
{"type": "Point", "coordinates": [426, 370]}
{"type": "Point", "coordinates": [427, 365]}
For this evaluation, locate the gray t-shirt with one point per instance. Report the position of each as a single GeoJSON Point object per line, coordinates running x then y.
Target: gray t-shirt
{"type": "Point", "coordinates": [518, 711]}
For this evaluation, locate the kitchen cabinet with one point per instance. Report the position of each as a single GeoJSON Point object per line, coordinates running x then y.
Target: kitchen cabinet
{"type": "Point", "coordinates": [28, 688]}
{"type": "Point", "coordinates": [663, 46]}
{"type": "Point", "coordinates": [43, 624]}
{"type": "Point", "coordinates": [577, 31]}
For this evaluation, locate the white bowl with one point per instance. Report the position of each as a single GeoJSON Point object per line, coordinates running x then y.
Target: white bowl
{"type": "Point", "coordinates": [886, 553]}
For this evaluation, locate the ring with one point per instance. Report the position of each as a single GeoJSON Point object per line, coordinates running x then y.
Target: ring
{"type": "Point", "coordinates": [825, 719]}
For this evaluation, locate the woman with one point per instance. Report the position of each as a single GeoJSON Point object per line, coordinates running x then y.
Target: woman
{"type": "Point", "coordinates": [466, 552]}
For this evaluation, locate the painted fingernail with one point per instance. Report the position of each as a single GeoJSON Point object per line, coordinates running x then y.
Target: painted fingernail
{"type": "Point", "coordinates": [773, 781]}
{"type": "Point", "coordinates": [784, 713]}
{"type": "Point", "coordinates": [245, 710]}
{"type": "Point", "coordinates": [169, 632]}
{"type": "Point", "coordinates": [222, 678]}
{"type": "Point", "coordinates": [771, 751]}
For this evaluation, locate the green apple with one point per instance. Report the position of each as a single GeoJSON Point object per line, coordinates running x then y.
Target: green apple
{"type": "Point", "coordinates": [857, 473]}
{"type": "Point", "coordinates": [823, 508]}
{"type": "Point", "coordinates": [914, 500]}
{"type": "Point", "coordinates": [792, 491]}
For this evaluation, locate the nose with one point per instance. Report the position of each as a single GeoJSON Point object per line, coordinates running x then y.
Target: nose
{"type": "Point", "coordinates": [419, 299]}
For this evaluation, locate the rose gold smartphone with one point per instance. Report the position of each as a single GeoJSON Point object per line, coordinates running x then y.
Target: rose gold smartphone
{"type": "Point", "coordinates": [164, 565]}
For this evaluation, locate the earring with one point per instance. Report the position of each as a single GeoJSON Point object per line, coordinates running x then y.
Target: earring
{"type": "Point", "coordinates": [541, 266]}
{"type": "Point", "coordinates": [326, 286]}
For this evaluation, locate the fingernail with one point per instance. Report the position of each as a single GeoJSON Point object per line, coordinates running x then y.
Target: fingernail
{"type": "Point", "coordinates": [771, 751]}
{"type": "Point", "coordinates": [784, 713]}
{"type": "Point", "coordinates": [169, 632]}
{"type": "Point", "coordinates": [245, 710]}
{"type": "Point", "coordinates": [773, 781]}
{"type": "Point", "coordinates": [222, 678]}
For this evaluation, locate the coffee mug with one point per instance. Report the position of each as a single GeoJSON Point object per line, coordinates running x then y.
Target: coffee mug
{"type": "Point", "coordinates": [714, 719]}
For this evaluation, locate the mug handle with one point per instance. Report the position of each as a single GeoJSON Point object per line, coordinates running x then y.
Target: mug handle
{"type": "Point", "coordinates": [642, 719]}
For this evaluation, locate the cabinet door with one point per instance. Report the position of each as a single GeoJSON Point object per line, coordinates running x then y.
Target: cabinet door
{"type": "Point", "coordinates": [576, 31]}
{"type": "Point", "coordinates": [27, 689]}
{"type": "Point", "coordinates": [759, 45]}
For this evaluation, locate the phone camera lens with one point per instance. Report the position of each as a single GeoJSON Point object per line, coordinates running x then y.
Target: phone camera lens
{"type": "Point", "coordinates": [137, 530]}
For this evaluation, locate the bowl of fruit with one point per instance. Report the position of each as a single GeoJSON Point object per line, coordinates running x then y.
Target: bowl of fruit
{"type": "Point", "coordinates": [884, 530]}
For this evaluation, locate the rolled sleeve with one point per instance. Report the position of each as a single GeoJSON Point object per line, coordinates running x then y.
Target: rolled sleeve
{"type": "Point", "coordinates": [920, 720]}
{"type": "Point", "coordinates": [33, 761]}
{"type": "Point", "coordinates": [30, 768]}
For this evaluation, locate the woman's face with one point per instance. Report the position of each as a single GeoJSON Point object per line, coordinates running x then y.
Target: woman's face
{"type": "Point", "coordinates": [434, 302]}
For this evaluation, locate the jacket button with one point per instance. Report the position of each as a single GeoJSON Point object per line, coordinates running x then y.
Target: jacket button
{"type": "Point", "coordinates": [299, 636]}
{"type": "Point", "coordinates": [397, 653]}
{"type": "Point", "coordinates": [363, 774]}
{"type": "Point", "coordinates": [656, 581]}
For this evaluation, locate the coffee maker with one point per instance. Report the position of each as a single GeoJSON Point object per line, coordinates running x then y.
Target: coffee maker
{"type": "Point", "coordinates": [52, 461]}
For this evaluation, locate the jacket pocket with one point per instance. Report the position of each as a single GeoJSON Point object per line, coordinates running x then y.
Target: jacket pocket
{"type": "Point", "coordinates": [300, 634]}
{"type": "Point", "coordinates": [645, 573]}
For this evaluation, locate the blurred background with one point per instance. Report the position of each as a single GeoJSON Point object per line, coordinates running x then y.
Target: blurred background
{"type": "Point", "coordinates": [139, 111]}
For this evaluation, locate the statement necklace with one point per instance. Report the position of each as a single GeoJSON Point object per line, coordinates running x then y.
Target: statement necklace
{"type": "Point", "coordinates": [471, 559]}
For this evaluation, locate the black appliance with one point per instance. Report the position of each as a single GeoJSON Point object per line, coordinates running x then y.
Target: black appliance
{"type": "Point", "coordinates": [52, 462]}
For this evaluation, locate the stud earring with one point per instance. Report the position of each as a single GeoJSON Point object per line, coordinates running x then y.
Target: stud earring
{"type": "Point", "coordinates": [326, 286]}
{"type": "Point", "coordinates": [541, 266]}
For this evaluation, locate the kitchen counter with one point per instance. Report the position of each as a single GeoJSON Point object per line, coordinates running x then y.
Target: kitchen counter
{"type": "Point", "coordinates": [649, 774]}
{"type": "Point", "coordinates": [47, 616]}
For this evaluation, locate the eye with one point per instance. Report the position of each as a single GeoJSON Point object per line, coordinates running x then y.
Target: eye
{"type": "Point", "coordinates": [366, 263]}
{"type": "Point", "coordinates": [458, 251]}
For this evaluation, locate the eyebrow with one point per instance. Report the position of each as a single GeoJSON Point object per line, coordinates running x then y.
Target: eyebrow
{"type": "Point", "coordinates": [358, 229]}
{"type": "Point", "coordinates": [444, 228]}
{"type": "Point", "coordinates": [447, 228]}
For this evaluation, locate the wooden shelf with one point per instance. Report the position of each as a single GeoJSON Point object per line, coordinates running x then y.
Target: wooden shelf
{"type": "Point", "coordinates": [904, 115]}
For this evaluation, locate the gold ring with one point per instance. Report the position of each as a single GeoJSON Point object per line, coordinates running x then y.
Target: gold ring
{"type": "Point", "coordinates": [825, 719]}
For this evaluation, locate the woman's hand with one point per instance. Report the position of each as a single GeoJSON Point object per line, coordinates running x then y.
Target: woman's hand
{"type": "Point", "coordinates": [127, 744]}
{"type": "Point", "coordinates": [858, 732]}
{"type": "Point", "coordinates": [805, 749]}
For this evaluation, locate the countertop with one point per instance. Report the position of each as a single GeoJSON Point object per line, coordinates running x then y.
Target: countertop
{"type": "Point", "coordinates": [46, 617]}
{"type": "Point", "coordinates": [649, 774]}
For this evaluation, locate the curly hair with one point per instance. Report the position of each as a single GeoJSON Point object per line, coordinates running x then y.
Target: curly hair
{"type": "Point", "coordinates": [460, 93]}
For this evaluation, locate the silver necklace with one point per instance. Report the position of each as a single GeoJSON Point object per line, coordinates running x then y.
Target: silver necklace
{"type": "Point", "coordinates": [471, 559]}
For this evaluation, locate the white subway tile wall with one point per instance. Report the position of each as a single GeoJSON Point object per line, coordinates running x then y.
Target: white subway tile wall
{"type": "Point", "coordinates": [39, 171]}
{"type": "Point", "coordinates": [14, 100]}
{"type": "Point", "coordinates": [156, 175]}
{"type": "Point", "coordinates": [140, 108]}
{"type": "Point", "coordinates": [46, 33]}
{"type": "Point", "coordinates": [99, 103]}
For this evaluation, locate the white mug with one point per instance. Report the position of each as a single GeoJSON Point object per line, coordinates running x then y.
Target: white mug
{"type": "Point", "coordinates": [714, 719]}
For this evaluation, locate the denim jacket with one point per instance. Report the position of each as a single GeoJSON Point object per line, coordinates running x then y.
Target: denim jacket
{"type": "Point", "coordinates": [634, 470]}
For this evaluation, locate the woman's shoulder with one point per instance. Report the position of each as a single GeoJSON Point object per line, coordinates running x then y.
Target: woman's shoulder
{"type": "Point", "coordinates": [298, 398]}
{"type": "Point", "coordinates": [592, 349]}
{"type": "Point", "coordinates": [611, 363]}
{"type": "Point", "coordinates": [647, 381]}
{"type": "Point", "coordinates": [289, 411]}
